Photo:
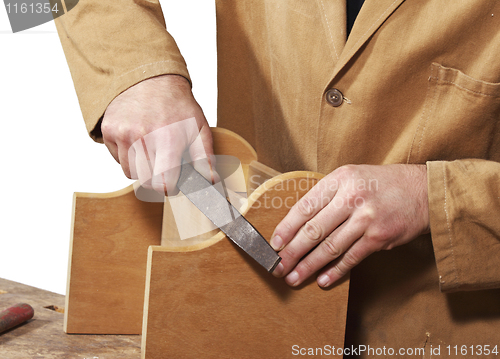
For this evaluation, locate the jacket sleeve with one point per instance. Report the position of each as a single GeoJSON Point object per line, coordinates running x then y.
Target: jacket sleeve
{"type": "Point", "coordinates": [112, 45]}
{"type": "Point", "coordinates": [464, 209]}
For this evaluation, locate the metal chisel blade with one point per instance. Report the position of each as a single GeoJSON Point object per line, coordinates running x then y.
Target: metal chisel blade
{"type": "Point", "coordinates": [224, 215]}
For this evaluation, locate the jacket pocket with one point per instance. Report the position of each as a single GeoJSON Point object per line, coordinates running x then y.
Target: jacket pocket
{"type": "Point", "coordinates": [459, 120]}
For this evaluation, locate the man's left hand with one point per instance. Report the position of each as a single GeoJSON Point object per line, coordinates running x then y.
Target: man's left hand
{"type": "Point", "coordinates": [351, 213]}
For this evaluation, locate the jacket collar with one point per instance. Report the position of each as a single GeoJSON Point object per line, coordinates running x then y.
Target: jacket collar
{"type": "Point", "coordinates": [372, 15]}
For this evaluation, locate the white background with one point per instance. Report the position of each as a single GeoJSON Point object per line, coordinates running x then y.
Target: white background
{"type": "Point", "coordinates": [45, 151]}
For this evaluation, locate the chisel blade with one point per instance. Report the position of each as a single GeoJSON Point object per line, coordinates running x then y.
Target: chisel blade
{"type": "Point", "coordinates": [224, 215]}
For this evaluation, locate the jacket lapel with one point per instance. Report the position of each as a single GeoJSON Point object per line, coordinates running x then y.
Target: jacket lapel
{"type": "Point", "coordinates": [333, 17]}
{"type": "Point", "coordinates": [372, 15]}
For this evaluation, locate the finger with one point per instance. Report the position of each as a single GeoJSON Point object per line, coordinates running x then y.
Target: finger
{"type": "Point", "coordinates": [123, 160]}
{"type": "Point", "coordinates": [113, 149]}
{"type": "Point", "coordinates": [143, 166]}
{"type": "Point", "coordinates": [332, 247]}
{"type": "Point", "coordinates": [361, 249]}
{"type": "Point", "coordinates": [201, 152]}
{"type": "Point", "coordinates": [110, 141]}
{"type": "Point", "coordinates": [305, 209]}
{"type": "Point", "coordinates": [132, 163]}
{"type": "Point", "coordinates": [311, 234]}
{"type": "Point", "coordinates": [202, 145]}
{"type": "Point", "coordinates": [165, 181]}
{"type": "Point", "coordinates": [167, 162]}
{"type": "Point", "coordinates": [206, 167]}
{"type": "Point", "coordinates": [164, 147]}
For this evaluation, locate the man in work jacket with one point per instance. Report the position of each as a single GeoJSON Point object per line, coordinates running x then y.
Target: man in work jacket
{"type": "Point", "coordinates": [411, 102]}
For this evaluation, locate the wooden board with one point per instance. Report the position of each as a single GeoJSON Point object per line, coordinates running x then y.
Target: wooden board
{"type": "Point", "coordinates": [43, 335]}
{"type": "Point", "coordinates": [111, 234]}
{"type": "Point", "coordinates": [225, 143]}
{"type": "Point", "coordinates": [211, 300]}
{"type": "Point", "coordinates": [107, 265]}
{"type": "Point", "coordinates": [258, 173]}
{"type": "Point", "coordinates": [110, 240]}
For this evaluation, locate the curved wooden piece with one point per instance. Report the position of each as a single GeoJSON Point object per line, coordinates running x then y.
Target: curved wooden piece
{"type": "Point", "coordinates": [110, 236]}
{"type": "Point", "coordinates": [229, 143]}
{"type": "Point", "coordinates": [111, 233]}
{"type": "Point", "coordinates": [211, 300]}
{"type": "Point", "coordinates": [225, 143]}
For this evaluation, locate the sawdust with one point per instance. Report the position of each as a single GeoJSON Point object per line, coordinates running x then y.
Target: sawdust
{"type": "Point", "coordinates": [55, 308]}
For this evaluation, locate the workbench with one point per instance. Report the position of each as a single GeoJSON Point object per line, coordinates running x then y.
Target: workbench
{"type": "Point", "coordinates": [43, 335]}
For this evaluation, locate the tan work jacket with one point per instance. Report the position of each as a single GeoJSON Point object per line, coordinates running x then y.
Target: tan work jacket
{"type": "Point", "coordinates": [417, 82]}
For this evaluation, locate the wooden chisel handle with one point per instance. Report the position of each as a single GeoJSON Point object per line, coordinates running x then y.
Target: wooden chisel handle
{"type": "Point", "coordinates": [15, 315]}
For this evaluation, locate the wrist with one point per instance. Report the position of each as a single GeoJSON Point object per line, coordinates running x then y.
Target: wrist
{"type": "Point", "coordinates": [171, 81]}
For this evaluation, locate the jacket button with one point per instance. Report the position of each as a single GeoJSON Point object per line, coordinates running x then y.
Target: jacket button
{"type": "Point", "coordinates": [334, 97]}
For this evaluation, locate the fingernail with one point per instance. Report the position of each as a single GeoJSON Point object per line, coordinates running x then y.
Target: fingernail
{"type": "Point", "coordinates": [292, 278]}
{"type": "Point", "coordinates": [278, 271]}
{"type": "Point", "coordinates": [324, 280]}
{"type": "Point", "coordinates": [276, 243]}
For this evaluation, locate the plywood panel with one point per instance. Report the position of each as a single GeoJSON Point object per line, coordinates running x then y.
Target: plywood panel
{"type": "Point", "coordinates": [211, 300]}
{"type": "Point", "coordinates": [111, 234]}
{"type": "Point", "coordinates": [110, 238]}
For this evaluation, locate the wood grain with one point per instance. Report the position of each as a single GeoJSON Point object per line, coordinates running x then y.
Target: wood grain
{"type": "Point", "coordinates": [43, 337]}
{"type": "Point", "coordinates": [211, 300]}
{"type": "Point", "coordinates": [110, 238]}
{"type": "Point", "coordinates": [204, 297]}
{"type": "Point", "coordinates": [229, 143]}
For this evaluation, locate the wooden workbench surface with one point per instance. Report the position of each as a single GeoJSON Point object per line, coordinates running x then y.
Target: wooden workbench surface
{"type": "Point", "coordinates": [43, 336]}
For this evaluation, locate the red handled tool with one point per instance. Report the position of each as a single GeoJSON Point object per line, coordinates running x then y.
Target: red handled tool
{"type": "Point", "coordinates": [15, 315]}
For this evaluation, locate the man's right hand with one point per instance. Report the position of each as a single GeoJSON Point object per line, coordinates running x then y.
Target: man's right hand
{"type": "Point", "coordinates": [145, 131]}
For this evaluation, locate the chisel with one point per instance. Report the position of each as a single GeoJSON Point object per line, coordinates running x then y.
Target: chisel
{"type": "Point", "coordinates": [224, 215]}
